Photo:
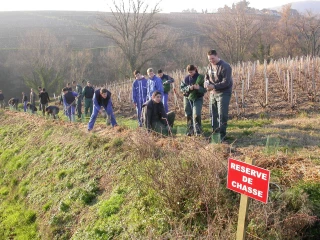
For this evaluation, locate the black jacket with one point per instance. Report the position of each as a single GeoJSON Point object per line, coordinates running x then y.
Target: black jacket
{"type": "Point", "coordinates": [153, 112]}
{"type": "Point", "coordinates": [52, 109]}
{"type": "Point", "coordinates": [44, 97]}
{"type": "Point", "coordinates": [69, 97]}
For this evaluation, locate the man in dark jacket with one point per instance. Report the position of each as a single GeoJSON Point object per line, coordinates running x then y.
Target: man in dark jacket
{"type": "Point", "coordinates": [44, 100]}
{"type": "Point", "coordinates": [87, 93]}
{"type": "Point", "coordinates": [166, 82]}
{"type": "Point", "coordinates": [219, 83]}
{"type": "Point", "coordinates": [154, 116]}
{"type": "Point", "coordinates": [102, 98]}
{"type": "Point", "coordinates": [53, 111]}
{"type": "Point", "coordinates": [1, 100]}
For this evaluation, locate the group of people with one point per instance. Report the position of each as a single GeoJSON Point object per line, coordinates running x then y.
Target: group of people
{"type": "Point", "coordinates": [218, 81]}
{"type": "Point", "coordinates": [150, 98]}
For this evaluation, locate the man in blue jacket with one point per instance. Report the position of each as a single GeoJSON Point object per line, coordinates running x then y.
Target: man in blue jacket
{"type": "Point", "coordinates": [69, 103]}
{"type": "Point", "coordinates": [139, 93]}
{"type": "Point", "coordinates": [102, 98]}
{"type": "Point", "coordinates": [166, 82]}
{"type": "Point", "coordinates": [154, 84]}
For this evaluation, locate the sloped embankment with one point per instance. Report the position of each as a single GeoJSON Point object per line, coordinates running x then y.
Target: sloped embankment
{"type": "Point", "coordinates": [59, 182]}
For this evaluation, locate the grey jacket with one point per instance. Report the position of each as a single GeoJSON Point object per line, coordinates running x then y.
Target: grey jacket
{"type": "Point", "coordinates": [220, 78]}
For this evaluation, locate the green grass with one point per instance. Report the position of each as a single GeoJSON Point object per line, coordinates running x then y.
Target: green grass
{"type": "Point", "coordinates": [61, 183]}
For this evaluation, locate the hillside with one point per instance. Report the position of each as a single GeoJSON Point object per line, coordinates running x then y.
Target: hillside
{"type": "Point", "coordinates": [71, 26]}
{"type": "Point", "coordinates": [75, 27]}
{"type": "Point", "coordinates": [59, 182]}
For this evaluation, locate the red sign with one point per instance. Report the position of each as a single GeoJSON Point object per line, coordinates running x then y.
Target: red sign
{"type": "Point", "coordinates": [248, 180]}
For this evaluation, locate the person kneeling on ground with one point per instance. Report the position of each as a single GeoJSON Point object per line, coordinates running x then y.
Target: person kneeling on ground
{"type": "Point", "coordinates": [154, 115]}
{"type": "Point", "coordinates": [31, 107]}
{"type": "Point", "coordinates": [102, 98]}
{"type": "Point", "coordinates": [53, 111]}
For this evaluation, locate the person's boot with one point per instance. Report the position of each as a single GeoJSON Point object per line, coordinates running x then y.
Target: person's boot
{"type": "Point", "coordinates": [189, 126]}
{"type": "Point", "coordinates": [198, 125]}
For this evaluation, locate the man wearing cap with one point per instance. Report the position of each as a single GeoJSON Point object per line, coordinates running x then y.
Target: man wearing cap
{"type": "Point", "coordinates": [87, 93]}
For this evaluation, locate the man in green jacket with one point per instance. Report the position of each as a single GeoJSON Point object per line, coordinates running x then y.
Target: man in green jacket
{"type": "Point", "coordinates": [193, 90]}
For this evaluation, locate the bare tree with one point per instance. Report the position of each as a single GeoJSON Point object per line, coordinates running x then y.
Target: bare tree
{"type": "Point", "coordinates": [308, 26]}
{"type": "Point", "coordinates": [134, 28]}
{"type": "Point", "coordinates": [80, 63]}
{"type": "Point", "coordinates": [43, 60]}
{"type": "Point", "coordinates": [232, 30]}
{"type": "Point", "coordinates": [285, 34]}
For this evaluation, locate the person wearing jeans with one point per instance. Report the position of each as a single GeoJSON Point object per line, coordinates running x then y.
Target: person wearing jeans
{"type": "Point", "coordinates": [193, 90]}
{"type": "Point", "coordinates": [139, 93]}
{"type": "Point", "coordinates": [219, 83]}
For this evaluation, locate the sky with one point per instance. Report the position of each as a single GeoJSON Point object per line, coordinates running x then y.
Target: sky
{"type": "Point", "coordinates": [102, 5]}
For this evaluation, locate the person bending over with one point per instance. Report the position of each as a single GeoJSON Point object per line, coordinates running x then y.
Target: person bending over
{"type": "Point", "coordinates": [102, 98]}
{"type": "Point", "coordinates": [53, 111]}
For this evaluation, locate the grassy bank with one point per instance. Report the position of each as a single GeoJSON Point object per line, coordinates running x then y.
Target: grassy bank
{"type": "Point", "coordinates": [59, 182]}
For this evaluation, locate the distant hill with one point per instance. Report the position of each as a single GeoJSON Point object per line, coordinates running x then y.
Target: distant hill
{"type": "Point", "coordinates": [75, 27]}
{"type": "Point", "coordinates": [303, 6]}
